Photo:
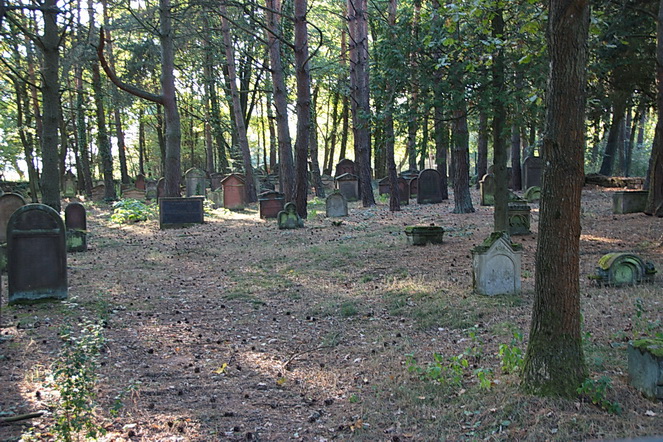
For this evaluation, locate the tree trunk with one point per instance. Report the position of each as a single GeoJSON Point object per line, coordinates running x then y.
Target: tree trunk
{"type": "Point", "coordinates": [358, 32]}
{"type": "Point", "coordinates": [286, 164]}
{"type": "Point", "coordinates": [516, 172]}
{"type": "Point", "coordinates": [249, 183]}
{"type": "Point", "coordinates": [81, 126]}
{"type": "Point", "coordinates": [482, 146]}
{"type": "Point", "coordinates": [612, 145]}
{"type": "Point", "coordinates": [655, 197]}
{"type": "Point", "coordinates": [103, 143]}
{"type": "Point", "coordinates": [329, 153]}
{"type": "Point", "coordinates": [141, 141]}
{"type": "Point", "coordinates": [554, 362]}
{"type": "Point", "coordinates": [461, 161]}
{"type": "Point", "coordinates": [313, 147]}
{"type": "Point", "coordinates": [50, 90]}
{"type": "Point", "coordinates": [441, 142]}
{"type": "Point", "coordinates": [500, 214]}
{"type": "Point", "coordinates": [27, 140]}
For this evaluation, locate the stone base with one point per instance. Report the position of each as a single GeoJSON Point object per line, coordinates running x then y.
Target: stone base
{"type": "Point", "coordinates": [629, 201]}
{"type": "Point", "coordinates": [422, 235]}
{"type": "Point", "coordinates": [645, 367]}
{"type": "Point", "coordinates": [76, 241]}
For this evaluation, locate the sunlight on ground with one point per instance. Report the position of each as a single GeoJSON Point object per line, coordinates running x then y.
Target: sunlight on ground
{"type": "Point", "coordinates": [599, 239]}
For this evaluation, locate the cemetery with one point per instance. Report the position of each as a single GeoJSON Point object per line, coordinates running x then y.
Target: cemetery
{"type": "Point", "coordinates": [253, 324]}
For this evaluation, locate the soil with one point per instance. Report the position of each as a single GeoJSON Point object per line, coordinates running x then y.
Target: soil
{"type": "Point", "coordinates": [236, 330]}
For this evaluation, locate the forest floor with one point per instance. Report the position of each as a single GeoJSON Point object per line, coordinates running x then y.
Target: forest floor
{"type": "Point", "coordinates": [235, 330]}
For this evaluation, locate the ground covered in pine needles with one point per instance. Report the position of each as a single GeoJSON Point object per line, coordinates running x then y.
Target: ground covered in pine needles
{"type": "Point", "coordinates": [235, 330]}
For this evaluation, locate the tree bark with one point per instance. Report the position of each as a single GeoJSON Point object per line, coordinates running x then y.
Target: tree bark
{"type": "Point", "coordinates": [286, 164]}
{"type": "Point", "coordinates": [612, 145]}
{"type": "Point", "coordinates": [441, 142]}
{"type": "Point", "coordinates": [461, 161]}
{"type": "Point", "coordinates": [313, 147]}
{"type": "Point", "coordinates": [500, 214]}
{"type": "Point", "coordinates": [81, 126]}
{"type": "Point", "coordinates": [516, 172]}
{"type": "Point", "coordinates": [655, 197]}
{"type": "Point", "coordinates": [482, 146]}
{"type": "Point", "coordinates": [103, 143]}
{"type": "Point", "coordinates": [554, 362]}
{"type": "Point", "coordinates": [249, 183]}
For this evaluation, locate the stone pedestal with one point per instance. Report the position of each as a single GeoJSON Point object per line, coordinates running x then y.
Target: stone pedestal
{"type": "Point", "coordinates": [519, 219]}
{"type": "Point", "coordinates": [645, 367]}
{"type": "Point", "coordinates": [271, 203]}
{"type": "Point", "coordinates": [496, 265]}
{"type": "Point", "coordinates": [422, 235]}
{"type": "Point", "coordinates": [629, 201]}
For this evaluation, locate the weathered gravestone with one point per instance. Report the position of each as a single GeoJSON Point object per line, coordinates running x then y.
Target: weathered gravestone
{"type": "Point", "coordinates": [336, 205]}
{"type": "Point", "coordinates": [179, 212]}
{"type": "Point", "coordinates": [487, 187]}
{"type": "Point", "coordinates": [348, 185]}
{"type": "Point", "coordinates": [414, 186]}
{"type": "Point", "coordinates": [645, 367]}
{"type": "Point", "coordinates": [496, 266]}
{"type": "Point", "coordinates": [403, 191]}
{"type": "Point", "coordinates": [346, 166]}
{"type": "Point", "coordinates": [532, 171]}
{"type": "Point", "coordinates": [37, 255]}
{"type": "Point", "coordinates": [9, 202]}
{"type": "Point", "coordinates": [519, 218]}
{"type": "Point", "coordinates": [161, 188]}
{"type": "Point", "coordinates": [271, 203]}
{"type": "Point", "coordinates": [288, 217]}
{"type": "Point", "coordinates": [422, 235]}
{"type": "Point", "coordinates": [533, 194]}
{"type": "Point", "coordinates": [98, 192]}
{"type": "Point", "coordinates": [430, 187]}
{"type": "Point", "coordinates": [75, 220]}
{"type": "Point", "coordinates": [618, 269]}
{"type": "Point", "coordinates": [629, 201]}
{"type": "Point", "coordinates": [234, 192]}
{"type": "Point", "coordinates": [384, 186]}
{"type": "Point", "coordinates": [151, 189]}
{"type": "Point", "coordinates": [69, 185]}
{"type": "Point", "coordinates": [216, 196]}
{"type": "Point", "coordinates": [196, 182]}
{"type": "Point", "coordinates": [140, 182]}
{"type": "Point", "coordinates": [215, 180]}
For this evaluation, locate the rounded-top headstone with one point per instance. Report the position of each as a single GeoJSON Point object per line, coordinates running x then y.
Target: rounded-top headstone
{"type": "Point", "coordinates": [9, 202]}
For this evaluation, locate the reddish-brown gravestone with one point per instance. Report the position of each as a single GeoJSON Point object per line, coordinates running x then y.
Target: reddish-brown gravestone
{"type": "Point", "coordinates": [9, 202]}
{"type": "Point", "coordinates": [271, 203]}
{"type": "Point", "coordinates": [234, 193]}
{"type": "Point", "coordinates": [37, 255]}
{"type": "Point", "coordinates": [75, 220]}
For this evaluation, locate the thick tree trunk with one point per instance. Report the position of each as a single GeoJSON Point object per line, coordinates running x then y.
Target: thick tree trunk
{"type": "Point", "coordinates": [313, 148]}
{"type": "Point", "coordinates": [303, 108]}
{"type": "Point", "coordinates": [441, 143]}
{"type": "Point", "coordinates": [250, 188]}
{"type": "Point", "coordinates": [50, 90]}
{"type": "Point", "coordinates": [500, 214]}
{"type": "Point", "coordinates": [286, 164]}
{"type": "Point", "coordinates": [554, 363]}
{"type": "Point", "coordinates": [81, 126]}
{"type": "Point", "coordinates": [141, 141]}
{"type": "Point", "coordinates": [516, 172]}
{"type": "Point", "coordinates": [461, 162]}
{"type": "Point", "coordinates": [358, 31]}
{"type": "Point", "coordinates": [482, 146]}
{"type": "Point", "coordinates": [655, 198]}
{"type": "Point", "coordinates": [612, 145]}
{"type": "Point", "coordinates": [103, 142]}
{"type": "Point", "coordinates": [333, 131]}
{"type": "Point", "coordinates": [27, 140]}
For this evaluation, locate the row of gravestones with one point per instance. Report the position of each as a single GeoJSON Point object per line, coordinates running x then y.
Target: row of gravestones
{"type": "Point", "coordinates": [35, 241]}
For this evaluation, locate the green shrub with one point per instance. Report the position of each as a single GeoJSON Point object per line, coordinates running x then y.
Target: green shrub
{"type": "Point", "coordinates": [132, 211]}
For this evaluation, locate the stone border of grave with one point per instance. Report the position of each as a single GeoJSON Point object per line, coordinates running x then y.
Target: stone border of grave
{"type": "Point", "coordinates": [422, 235]}
{"type": "Point", "coordinates": [645, 367]}
{"type": "Point", "coordinates": [178, 212]}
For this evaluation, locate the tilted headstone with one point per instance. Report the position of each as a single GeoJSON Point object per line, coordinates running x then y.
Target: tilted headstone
{"type": "Point", "coordinates": [496, 265]}
{"type": "Point", "coordinates": [9, 202]}
{"type": "Point", "coordinates": [37, 255]}
{"type": "Point", "coordinates": [271, 203]}
{"type": "Point", "coordinates": [629, 201]}
{"type": "Point", "coordinates": [645, 367]}
{"type": "Point", "coordinates": [345, 166]}
{"type": "Point", "coordinates": [234, 192]}
{"type": "Point", "coordinates": [430, 187]}
{"type": "Point", "coordinates": [532, 171]}
{"type": "Point", "coordinates": [179, 212]}
{"type": "Point", "coordinates": [75, 220]}
{"type": "Point", "coordinates": [140, 182]}
{"type": "Point", "coordinates": [519, 218]}
{"type": "Point", "coordinates": [288, 217]}
{"type": "Point", "coordinates": [487, 187]}
{"type": "Point", "coordinates": [618, 269]}
{"type": "Point", "coordinates": [533, 194]}
{"type": "Point", "coordinates": [336, 205]}
{"type": "Point", "coordinates": [348, 185]}
{"type": "Point", "coordinates": [422, 235]}
{"type": "Point", "coordinates": [196, 182]}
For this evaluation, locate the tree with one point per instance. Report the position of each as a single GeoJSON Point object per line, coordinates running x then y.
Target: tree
{"type": "Point", "coordinates": [554, 362]}
{"type": "Point", "coordinates": [655, 197]}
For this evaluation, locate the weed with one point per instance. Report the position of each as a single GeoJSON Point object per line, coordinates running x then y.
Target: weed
{"type": "Point", "coordinates": [511, 355]}
{"type": "Point", "coordinates": [596, 392]}
{"type": "Point", "coordinates": [74, 377]}
{"type": "Point", "coordinates": [348, 309]}
{"type": "Point", "coordinates": [118, 400]}
{"type": "Point", "coordinates": [132, 211]}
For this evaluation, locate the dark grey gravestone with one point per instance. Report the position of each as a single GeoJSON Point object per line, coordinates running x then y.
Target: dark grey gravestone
{"type": "Point", "coordinates": [9, 202]}
{"type": "Point", "coordinates": [75, 220]}
{"type": "Point", "coordinates": [532, 171]}
{"type": "Point", "coordinates": [403, 191]}
{"type": "Point", "coordinates": [37, 255]}
{"type": "Point", "coordinates": [348, 185]}
{"type": "Point", "coordinates": [336, 205]}
{"type": "Point", "coordinates": [430, 187]}
{"type": "Point", "coordinates": [196, 182]}
{"type": "Point", "coordinates": [629, 201]}
{"type": "Point", "coordinates": [151, 187]}
{"type": "Point", "coordinates": [346, 166]}
{"type": "Point", "coordinates": [414, 186]}
{"type": "Point", "coordinates": [161, 188]}
{"type": "Point", "coordinates": [180, 212]}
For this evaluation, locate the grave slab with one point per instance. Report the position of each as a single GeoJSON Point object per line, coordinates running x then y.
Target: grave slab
{"type": "Point", "coordinates": [180, 212]}
{"type": "Point", "coordinates": [645, 367]}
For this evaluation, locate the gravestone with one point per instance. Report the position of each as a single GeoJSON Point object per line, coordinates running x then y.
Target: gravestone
{"type": "Point", "coordinates": [99, 192]}
{"type": "Point", "coordinates": [215, 180]}
{"type": "Point", "coordinates": [403, 191]}
{"type": "Point", "coordinates": [9, 202]}
{"type": "Point", "coordinates": [37, 255]}
{"type": "Point", "coordinates": [179, 212]}
{"type": "Point", "coordinates": [533, 194]}
{"type": "Point", "coordinates": [348, 185]}
{"type": "Point", "coordinates": [346, 166]}
{"type": "Point", "coordinates": [532, 170]}
{"type": "Point", "coordinates": [134, 194]}
{"type": "Point", "coordinates": [430, 187]}
{"type": "Point", "coordinates": [216, 196]}
{"type": "Point", "coordinates": [69, 185]}
{"type": "Point", "coordinates": [151, 189]}
{"type": "Point", "coordinates": [519, 218]}
{"type": "Point", "coordinates": [629, 201]}
{"type": "Point", "coordinates": [618, 269]}
{"type": "Point", "coordinates": [414, 186]}
{"type": "Point", "coordinates": [496, 266]}
{"type": "Point", "coordinates": [140, 182]}
{"type": "Point", "coordinates": [234, 193]}
{"type": "Point", "coordinates": [196, 182]}
{"type": "Point", "coordinates": [288, 217]}
{"type": "Point", "coordinates": [327, 183]}
{"type": "Point", "coordinates": [161, 188]}
{"type": "Point", "coordinates": [487, 189]}
{"type": "Point", "coordinates": [384, 186]}
{"type": "Point", "coordinates": [75, 221]}
{"type": "Point", "coordinates": [271, 203]}
{"type": "Point", "coordinates": [645, 367]}
{"type": "Point", "coordinates": [422, 235]}
{"type": "Point", "coordinates": [336, 205]}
